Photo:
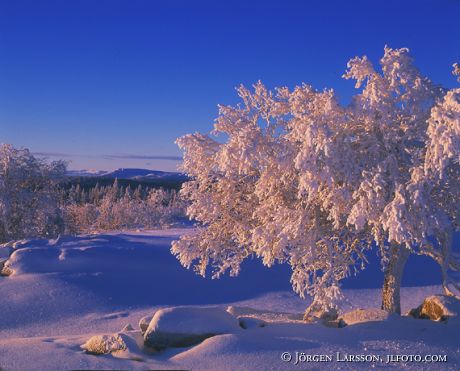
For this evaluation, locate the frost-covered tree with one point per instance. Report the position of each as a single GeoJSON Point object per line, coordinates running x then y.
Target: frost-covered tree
{"type": "Point", "coordinates": [391, 116]}
{"type": "Point", "coordinates": [265, 192]}
{"type": "Point", "coordinates": [80, 218]}
{"type": "Point", "coordinates": [441, 182]}
{"type": "Point", "coordinates": [405, 197]}
{"type": "Point", "coordinates": [297, 178]}
{"type": "Point", "coordinates": [456, 71]}
{"type": "Point", "coordinates": [29, 197]}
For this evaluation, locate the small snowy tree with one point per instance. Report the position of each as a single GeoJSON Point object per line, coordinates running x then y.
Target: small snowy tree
{"type": "Point", "coordinates": [29, 197]}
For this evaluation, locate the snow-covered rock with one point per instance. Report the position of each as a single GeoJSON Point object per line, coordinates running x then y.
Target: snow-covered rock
{"type": "Point", "coordinates": [247, 317]}
{"type": "Point", "coordinates": [437, 308]}
{"type": "Point", "coordinates": [363, 315]}
{"type": "Point", "coordinates": [185, 326]}
{"type": "Point", "coordinates": [266, 316]}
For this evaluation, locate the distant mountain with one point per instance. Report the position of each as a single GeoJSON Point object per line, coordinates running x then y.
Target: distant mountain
{"type": "Point", "coordinates": [89, 173]}
{"type": "Point", "coordinates": [131, 174]}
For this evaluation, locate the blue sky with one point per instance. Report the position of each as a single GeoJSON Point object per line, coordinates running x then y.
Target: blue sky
{"type": "Point", "coordinates": [107, 84]}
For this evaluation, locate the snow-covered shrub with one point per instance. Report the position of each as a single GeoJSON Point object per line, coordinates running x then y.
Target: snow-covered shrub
{"type": "Point", "coordinates": [80, 218]}
{"type": "Point", "coordinates": [29, 199]}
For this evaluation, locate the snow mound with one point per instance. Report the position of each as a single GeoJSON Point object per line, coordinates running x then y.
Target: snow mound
{"type": "Point", "coordinates": [186, 326]}
{"type": "Point", "coordinates": [437, 308]}
{"type": "Point", "coordinates": [6, 250]}
{"type": "Point", "coordinates": [13, 245]}
{"type": "Point", "coordinates": [363, 315]}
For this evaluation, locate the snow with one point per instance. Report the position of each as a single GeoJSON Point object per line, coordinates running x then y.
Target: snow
{"type": "Point", "coordinates": [250, 322]}
{"type": "Point", "coordinates": [63, 294]}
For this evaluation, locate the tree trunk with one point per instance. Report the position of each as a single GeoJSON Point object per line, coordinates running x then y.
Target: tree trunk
{"type": "Point", "coordinates": [445, 262]}
{"type": "Point", "coordinates": [391, 300]}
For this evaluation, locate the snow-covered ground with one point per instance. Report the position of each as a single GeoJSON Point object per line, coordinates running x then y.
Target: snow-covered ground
{"type": "Point", "coordinates": [64, 292]}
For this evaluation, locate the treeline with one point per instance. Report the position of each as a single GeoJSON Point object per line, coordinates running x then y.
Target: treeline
{"type": "Point", "coordinates": [119, 207]}
{"type": "Point", "coordinates": [89, 182]}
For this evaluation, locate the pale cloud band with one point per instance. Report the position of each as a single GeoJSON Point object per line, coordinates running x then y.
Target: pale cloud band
{"type": "Point", "coordinates": [109, 157]}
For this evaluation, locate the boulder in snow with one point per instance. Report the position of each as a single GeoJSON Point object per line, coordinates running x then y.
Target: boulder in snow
{"type": "Point", "coordinates": [363, 315]}
{"type": "Point", "coordinates": [127, 344]}
{"type": "Point", "coordinates": [127, 328]}
{"type": "Point", "coordinates": [437, 308]}
{"type": "Point", "coordinates": [5, 252]}
{"type": "Point", "coordinates": [144, 323]}
{"type": "Point", "coordinates": [186, 326]}
{"type": "Point", "coordinates": [2, 263]}
{"type": "Point", "coordinates": [104, 344]}
{"type": "Point", "coordinates": [4, 269]}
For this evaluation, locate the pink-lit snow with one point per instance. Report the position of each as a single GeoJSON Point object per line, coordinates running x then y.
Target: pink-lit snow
{"type": "Point", "coordinates": [64, 292]}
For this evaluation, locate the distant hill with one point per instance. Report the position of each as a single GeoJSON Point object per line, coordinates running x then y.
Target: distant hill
{"type": "Point", "coordinates": [128, 177]}
{"type": "Point", "coordinates": [144, 174]}
{"type": "Point", "coordinates": [128, 173]}
{"type": "Point", "coordinates": [79, 173]}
